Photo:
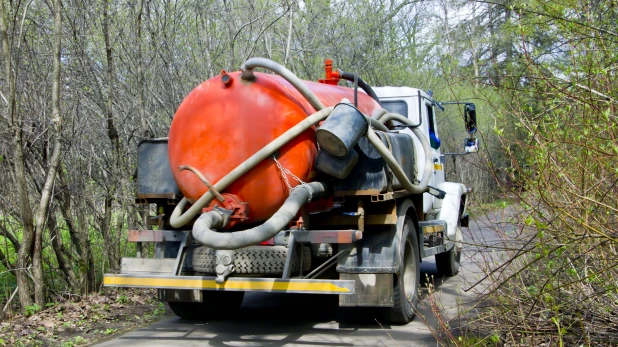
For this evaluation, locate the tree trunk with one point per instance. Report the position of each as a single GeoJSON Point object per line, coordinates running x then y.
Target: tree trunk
{"type": "Point", "coordinates": [447, 34]}
{"type": "Point", "coordinates": [87, 259]}
{"type": "Point", "coordinates": [141, 108]}
{"type": "Point", "coordinates": [475, 54]}
{"type": "Point", "coordinates": [508, 41]}
{"type": "Point", "coordinates": [111, 244]}
{"type": "Point", "coordinates": [60, 251]}
{"type": "Point", "coordinates": [46, 193]}
{"type": "Point", "coordinates": [78, 233]}
{"type": "Point", "coordinates": [25, 252]}
{"type": "Point", "coordinates": [289, 42]}
{"type": "Point", "coordinates": [493, 27]}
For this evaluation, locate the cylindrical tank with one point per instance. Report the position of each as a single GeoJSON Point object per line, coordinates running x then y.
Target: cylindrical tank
{"type": "Point", "coordinates": [225, 120]}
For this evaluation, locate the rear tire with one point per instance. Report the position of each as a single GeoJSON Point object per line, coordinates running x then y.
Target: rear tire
{"type": "Point", "coordinates": [216, 305]}
{"type": "Point", "coordinates": [407, 282]}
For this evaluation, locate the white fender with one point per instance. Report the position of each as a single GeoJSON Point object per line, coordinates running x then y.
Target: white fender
{"type": "Point", "coordinates": [450, 208]}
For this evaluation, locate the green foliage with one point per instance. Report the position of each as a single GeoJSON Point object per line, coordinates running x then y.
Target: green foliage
{"type": "Point", "coordinates": [76, 341]}
{"type": "Point", "coordinates": [122, 299]}
{"type": "Point", "coordinates": [494, 338]}
{"type": "Point", "coordinates": [156, 313]}
{"type": "Point", "coordinates": [30, 310]}
{"type": "Point", "coordinates": [553, 99]}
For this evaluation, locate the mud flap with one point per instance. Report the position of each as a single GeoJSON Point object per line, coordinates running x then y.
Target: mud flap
{"type": "Point", "coordinates": [378, 252]}
{"type": "Point", "coordinates": [371, 290]}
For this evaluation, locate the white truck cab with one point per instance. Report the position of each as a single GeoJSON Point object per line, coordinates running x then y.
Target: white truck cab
{"type": "Point", "coordinates": [418, 106]}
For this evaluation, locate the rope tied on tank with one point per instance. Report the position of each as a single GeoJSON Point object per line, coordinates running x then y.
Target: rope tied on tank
{"type": "Point", "coordinates": [285, 172]}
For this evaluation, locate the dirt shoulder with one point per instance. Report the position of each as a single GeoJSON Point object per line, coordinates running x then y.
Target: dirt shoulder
{"type": "Point", "coordinates": [80, 321]}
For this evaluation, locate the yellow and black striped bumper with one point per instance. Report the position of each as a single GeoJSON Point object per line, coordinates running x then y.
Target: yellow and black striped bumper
{"type": "Point", "coordinates": [308, 286]}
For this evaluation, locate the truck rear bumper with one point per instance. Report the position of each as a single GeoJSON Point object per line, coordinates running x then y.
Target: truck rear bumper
{"type": "Point", "coordinates": [248, 284]}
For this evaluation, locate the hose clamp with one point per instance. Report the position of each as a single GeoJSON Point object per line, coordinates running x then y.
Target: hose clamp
{"type": "Point", "coordinates": [306, 187]}
{"type": "Point", "coordinates": [225, 215]}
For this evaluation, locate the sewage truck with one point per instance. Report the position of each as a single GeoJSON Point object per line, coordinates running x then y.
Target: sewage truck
{"type": "Point", "coordinates": [269, 183]}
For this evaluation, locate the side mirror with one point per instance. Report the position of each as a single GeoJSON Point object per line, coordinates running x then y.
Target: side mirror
{"type": "Point", "coordinates": [470, 118]}
{"type": "Point", "coordinates": [471, 145]}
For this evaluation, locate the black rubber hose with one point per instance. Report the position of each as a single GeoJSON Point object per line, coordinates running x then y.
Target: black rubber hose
{"type": "Point", "coordinates": [361, 83]}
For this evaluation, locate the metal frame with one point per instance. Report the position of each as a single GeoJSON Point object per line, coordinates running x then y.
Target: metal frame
{"type": "Point", "coordinates": [147, 265]}
{"type": "Point", "coordinates": [426, 252]}
{"type": "Point", "coordinates": [156, 235]}
{"type": "Point", "coordinates": [431, 228]}
{"type": "Point", "coordinates": [325, 266]}
{"type": "Point", "coordinates": [316, 237]}
{"type": "Point", "coordinates": [182, 251]}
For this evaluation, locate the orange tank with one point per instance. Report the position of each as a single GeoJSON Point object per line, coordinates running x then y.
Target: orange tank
{"type": "Point", "coordinates": [225, 120]}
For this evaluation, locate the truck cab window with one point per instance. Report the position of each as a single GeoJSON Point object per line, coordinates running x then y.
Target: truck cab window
{"type": "Point", "coordinates": [399, 107]}
{"type": "Point", "coordinates": [430, 118]}
{"type": "Point", "coordinates": [433, 136]}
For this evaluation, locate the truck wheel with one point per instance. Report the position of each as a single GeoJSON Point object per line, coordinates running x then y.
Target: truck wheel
{"type": "Point", "coordinates": [448, 262]}
{"type": "Point", "coordinates": [216, 305]}
{"type": "Point", "coordinates": [405, 293]}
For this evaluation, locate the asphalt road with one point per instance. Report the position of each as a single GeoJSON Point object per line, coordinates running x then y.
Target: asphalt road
{"type": "Point", "coordinates": [316, 320]}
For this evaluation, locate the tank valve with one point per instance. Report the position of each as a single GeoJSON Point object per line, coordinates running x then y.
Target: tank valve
{"type": "Point", "coordinates": [226, 79]}
{"type": "Point", "coordinates": [224, 264]}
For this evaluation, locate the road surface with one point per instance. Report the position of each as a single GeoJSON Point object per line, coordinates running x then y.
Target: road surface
{"type": "Point", "coordinates": [268, 319]}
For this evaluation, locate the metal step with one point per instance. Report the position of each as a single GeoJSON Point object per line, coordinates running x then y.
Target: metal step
{"type": "Point", "coordinates": [433, 226]}
{"type": "Point", "coordinates": [147, 265]}
{"type": "Point", "coordinates": [435, 242]}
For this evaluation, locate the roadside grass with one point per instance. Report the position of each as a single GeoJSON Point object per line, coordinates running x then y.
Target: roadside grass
{"type": "Point", "coordinates": [82, 320]}
{"type": "Point", "coordinates": [56, 283]}
{"type": "Point", "coordinates": [485, 208]}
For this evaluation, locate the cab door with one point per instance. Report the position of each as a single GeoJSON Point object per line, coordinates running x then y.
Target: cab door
{"type": "Point", "coordinates": [431, 128]}
{"type": "Point", "coordinates": [417, 106]}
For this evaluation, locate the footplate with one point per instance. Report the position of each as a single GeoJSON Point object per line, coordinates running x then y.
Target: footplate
{"type": "Point", "coordinates": [307, 286]}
